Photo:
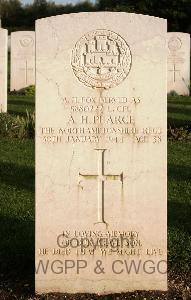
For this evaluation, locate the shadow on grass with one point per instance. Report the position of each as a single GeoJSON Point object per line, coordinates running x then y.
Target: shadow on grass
{"type": "Point", "coordinates": [179, 215]}
{"type": "Point", "coordinates": [179, 172]}
{"type": "Point", "coordinates": [180, 110]}
{"type": "Point", "coordinates": [180, 102]}
{"type": "Point", "coordinates": [18, 113]}
{"type": "Point", "coordinates": [179, 236]}
{"type": "Point", "coordinates": [17, 251]}
{"type": "Point", "coordinates": [21, 177]}
{"type": "Point", "coordinates": [176, 123]}
{"type": "Point", "coordinates": [21, 102]}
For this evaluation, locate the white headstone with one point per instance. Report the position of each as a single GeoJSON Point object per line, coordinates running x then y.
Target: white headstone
{"type": "Point", "coordinates": [22, 59]}
{"type": "Point", "coordinates": [179, 63]}
{"type": "Point", "coordinates": [3, 70]}
{"type": "Point", "coordinates": [101, 153]}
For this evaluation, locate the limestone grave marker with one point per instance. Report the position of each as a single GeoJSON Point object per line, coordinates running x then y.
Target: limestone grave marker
{"type": "Point", "coordinates": [179, 63]}
{"type": "Point", "coordinates": [22, 59]}
{"type": "Point", "coordinates": [101, 153]}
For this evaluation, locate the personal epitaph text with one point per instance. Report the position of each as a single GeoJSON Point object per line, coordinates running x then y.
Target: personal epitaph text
{"type": "Point", "coordinates": [100, 153]}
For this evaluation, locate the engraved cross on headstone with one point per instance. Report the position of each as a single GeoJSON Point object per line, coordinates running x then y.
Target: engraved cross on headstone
{"type": "Point", "coordinates": [174, 72]}
{"type": "Point", "coordinates": [26, 69]}
{"type": "Point", "coordinates": [101, 177]}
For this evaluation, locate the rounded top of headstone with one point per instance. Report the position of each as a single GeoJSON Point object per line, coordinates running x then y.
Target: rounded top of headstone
{"type": "Point", "coordinates": [23, 32]}
{"type": "Point", "coordinates": [102, 14]}
{"type": "Point", "coordinates": [178, 33]}
{"type": "Point", "coordinates": [3, 29]}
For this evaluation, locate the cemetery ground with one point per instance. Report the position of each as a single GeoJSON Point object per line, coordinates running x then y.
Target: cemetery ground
{"type": "Point", "coordinates": [17, 214]}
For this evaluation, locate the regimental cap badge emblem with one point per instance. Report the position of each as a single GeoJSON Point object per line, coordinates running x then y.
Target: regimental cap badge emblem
{"type": "Point", "coordinates": [101, 59]}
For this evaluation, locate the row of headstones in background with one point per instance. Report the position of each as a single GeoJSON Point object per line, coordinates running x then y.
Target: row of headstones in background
{"type": "Point", "coordinates": [22, 45]}
{"type": "Point", "coordinates": [23, 61]}
{"type": "Point", "coordinates": [22, 73]}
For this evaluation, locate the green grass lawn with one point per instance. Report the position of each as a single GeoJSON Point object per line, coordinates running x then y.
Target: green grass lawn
{"type": "Point", "coordinates": [179, 186]}
{"type": "Point", "coordinates": [18, 105]}
{"type": "Point", "coordinates": [179, 111]}
{"type": "Point", "coordinates": [179, 205]}
{"type": "Point", "coordinates": [17, 221]}
{"type": "Point", "coordinates": [16, 208]}
{"type": "Point", "coordinates": [17, 195]}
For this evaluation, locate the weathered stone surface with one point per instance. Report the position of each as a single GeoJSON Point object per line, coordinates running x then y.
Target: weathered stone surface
{"type": "Point", "coordinates": [22, 59]}
{"type": "Point", "coordinates": [179, 63]}
{"type": "Point", "coordinates": [101, 153]}
{"type": "Point", "coordinates": [3, 70]}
